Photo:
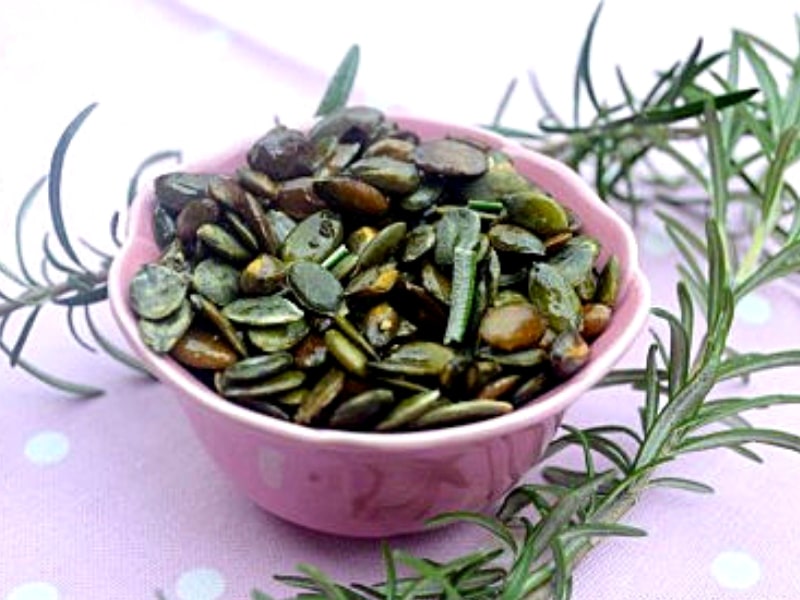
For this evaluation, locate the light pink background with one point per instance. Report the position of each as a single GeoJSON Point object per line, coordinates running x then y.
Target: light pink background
{"type": "Point", "coordinates": [131, 503]}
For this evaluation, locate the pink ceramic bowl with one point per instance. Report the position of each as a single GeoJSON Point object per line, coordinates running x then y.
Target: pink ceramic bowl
{"type": "Point", "coordinates": [373, 484]}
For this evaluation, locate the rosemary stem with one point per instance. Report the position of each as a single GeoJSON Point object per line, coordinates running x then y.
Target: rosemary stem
{"type": "Point", "coordinates": [41, 295]}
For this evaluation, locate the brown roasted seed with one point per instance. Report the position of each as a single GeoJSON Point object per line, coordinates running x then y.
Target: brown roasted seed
{"type": "Point", "coordinates": [512, 327]}
{"type": "Point", "coordinates": [201, 349]}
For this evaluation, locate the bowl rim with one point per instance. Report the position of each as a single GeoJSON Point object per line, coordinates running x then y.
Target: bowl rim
{"type": "Point", "coordinates": [634, 287]}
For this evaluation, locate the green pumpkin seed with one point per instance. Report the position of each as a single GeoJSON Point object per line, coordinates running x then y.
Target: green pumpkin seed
{"type": "Point", "coordinates": [462, 412]}
{"type": "Point", "coordinates": [497, 182]}
{"type": "Point", "coordinates": [175, 190]}
{"type": "Point", "coordinates": [524, 359]}
{"type": "Point", "coordinates": [576, 259]}
{"type": "Point", "coordinates": [161, 336]}
{"type": "Point", "coordinates": [512, 327]}
{"type": "Point", "coordinates": [436, 283]}
{"type": "Point", "coordinates": [346, 352]}
{"type": "Point", "coordinates": [282, 224]}
{"type": "Point", "coordinates": [409, 410]}
{"type": "Point", "coordinates": [258, 367]}
{"type": "Point", "coordinates": [320, 396]}
{"type": "Point", "coordinates": [258, 183]}
{"type": "Point", "coordinates": [512, 238]}
{"type": "Point", "coordinates": [418, 242]}
{"type": "Point", "coordinates": [608, 283]}
{"type": "Point", "coordinates": [529, 390]}
{"type": "Point", "coordinates": [220, 321]}
{"type": "Point", "coordinates": [554, 297]}
{"type": "Point", "coordinates": [314, 238]}
{"type": "Point", "coordinates": [382, 246]}
{"type": "Point", "coordinates": [164, 228]}
{"type": "Point", "coordinates": [216, 280]}
{"type": "Point", "coordinates": [373, 282]}
{"type": "Point", "coordinates": [387, 174]}
{"type": "Point", "coordinates": [536, 212]}
{"type": "Point", "coordinates": [242, 231]}
{"type": "Point", "coordinates": [500, 387]}
{"type": "Point", "coordinates": [569, 353]}
{"type": "Point", "coordinates": [417, 359]}
{"type": "Point", "coordinates": [263, 276]}
{"type": "Point", "coordinates": [426, 196]}
{"type": "Point", "coordinates": [223, 243]}
{"type": "Point", "coordinates": [392, 148]}
{"type": "Point", "coordinates": [279, 337]}
{"type": "Point", "coordinates": [381, 325]}
{"type": "Point", "coordinates": [279, 384]}
{"type": "Point", "coordinates": [363, 410]}
{"type": "Point", "coordinates": [263, 311]}
{"type": "Point", "coordinates": [314, 287]}
{"type": "Point", "coordinates": [156, 292]}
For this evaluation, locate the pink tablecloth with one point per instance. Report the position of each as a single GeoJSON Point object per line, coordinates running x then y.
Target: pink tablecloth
{"type": "Point", "coordinates": [114, 497]}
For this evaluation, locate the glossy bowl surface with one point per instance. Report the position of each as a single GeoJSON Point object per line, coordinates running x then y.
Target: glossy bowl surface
{"type": "Point", "coordinates": [381, 484]}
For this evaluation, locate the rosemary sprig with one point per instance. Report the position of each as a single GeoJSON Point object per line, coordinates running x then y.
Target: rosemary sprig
{"type": "Point", "coordinates": [542, 531]}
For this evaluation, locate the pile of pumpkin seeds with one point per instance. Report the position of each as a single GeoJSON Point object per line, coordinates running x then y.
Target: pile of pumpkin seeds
{"type": "Point", "coordinates": [356, 277]}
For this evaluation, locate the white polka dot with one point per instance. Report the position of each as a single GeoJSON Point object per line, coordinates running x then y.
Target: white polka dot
{"type": "Point", "coordinates": [754, 309]}
{"type": "Point", "coordinates": [35, 590]}
{"type": "Point", "coordinates": [735, 570]}
{"type": "Point", "coordinates": [656, 243]}
{"type": "Point", "coordinates": [200, 584]}
{"type": "Point", "coordinates": [47, 448]}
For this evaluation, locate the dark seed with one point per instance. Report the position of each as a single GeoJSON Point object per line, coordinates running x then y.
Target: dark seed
{"type": "Point", "coordinates": [462, 412]}
{"type": "Point", "coordinates": [283, 154]}
{"type": "Point", "coordinates": [596, 318]}
{"type": "Point", "coordinates": [203, 350]}
{"type": "Point", "coordinates": [352, 196]}
{"type": "Point", "coordinates": [450, 158]}
{"type": "Point", "coordinates": [297, 198]}
{"type": "Point", "coordinates": [409, 410]}
{"type": "Point", "coordinates": [175, 190]}
{"type": "Point", "coordinates": [569, 353]}
{"type": "Point", "coordinates": [321, 395]}
{"type": "Point", "coordinates": [361, 411]}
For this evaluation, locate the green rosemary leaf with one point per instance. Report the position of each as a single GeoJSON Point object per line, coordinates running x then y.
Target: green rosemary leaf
{"type": "Point", "coordinates": [785, 262]}
{"type": "Point", "coordinates": [630, 99]}
{"type": "Point", "coordinates": [791, 106]}
{"type": "Point", "coordinates": [517, 582]}
{"type": "Point", "coordinates": [736, 437]}
{"type": "Point", "coordinates": [766, 81]}
{"type": "Point", "coordinates": [74, 331]}
{"type": "Point", "coordinates": [687, 310]}
{"type": "Point", "coordinates": [679, 351]}
{"type": "Point", "coordinates": [684, 76]}
{"type": "Point", "coordinates": [491, 524]}
{"type": "Point", "coordinates": [320, 582]}
{"type": "Point", "coordinates": [719, 171]}
{"type": "Point", "coordinates": [594, 441]}
{"type": "Point", "coordinates": [390, 587]}
{"type": "Point", "coordinates": [681, 483]}
{"type": "Point", "coordinates": [749, 363]}
{"type": "Point", "coordinates": [11, 275]}
{"type": "Point", "coordinates": [54, 182]}
{"type": "Point", "coordinates": [54, 261]}
{"type": "Point", "coordinates": [111, 349]}
{"type": "Point", "coordinates": [652, 399]}
{"type": "Point", "coordinates": [564, 511]}
{"type": "Point", "coordinates": [27, 327]}
{"type": "Point", "coordinates": [562, 575]}
{"type": "Point", "coordinates": [595, 530]}
{"type": "Point", "coordinates": [431, 573]}
{"type": "Point", "coordinates": [717, 271]}
{"type": "Point", "coordinates": [716, 410]}
{"type": "Point", "coordinates": [678, 234]}
{"type": "Point", "coordinates": [765, 45]}
{"type": "Point", "coordinates": [64, 385]}
{"type": "Point", "coordinates": [114, 229]}
{"type": "Point", "coordinates": [341, 85]}
{"type": "Point", "coordinates": [501, 109]}
{"type": "Point", "coordinates": [664, 116]}
{"type": "Point", "coordinates": [633, 377]}
{"type": "Point", "coordinates": [541, 98]}
{"type": "Point", "coordinates": [91, 296]}
{"type": "Point", "coordinates": [21, 212]}
{"type": "Point", "coordinates": [663, 79]}
{"type": "Point", "coordinates": [537, 496]}
{"type": "Point", "coordinates": [133, 184]}
{"type": "Point", "coordinates": [583, 75]}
